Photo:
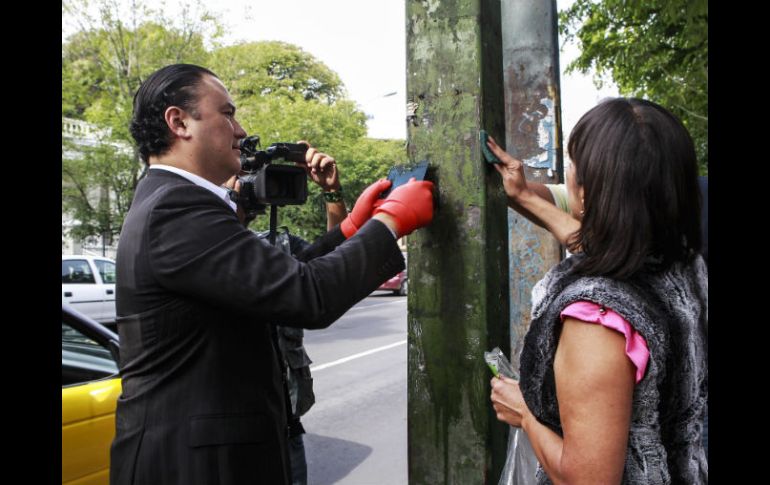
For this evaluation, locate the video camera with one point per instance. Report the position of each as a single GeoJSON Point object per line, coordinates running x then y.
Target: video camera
{"type": "Point", "coordinates": [271, 184]}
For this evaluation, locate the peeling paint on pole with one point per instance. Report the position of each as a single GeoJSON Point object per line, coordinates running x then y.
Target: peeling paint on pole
{"type": "Point", "coordinates": [533, 135]}
{"type": "Point", "coordinates": [458, 288]}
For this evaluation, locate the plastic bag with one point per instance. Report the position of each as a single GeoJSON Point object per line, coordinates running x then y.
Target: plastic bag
{"type": "Point", "coordinates": [521, 464]}
{"type": "Point", "coordinates": [499, 364]}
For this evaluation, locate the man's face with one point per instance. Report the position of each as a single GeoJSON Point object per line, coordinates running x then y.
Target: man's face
{"type": "Point", "coordinates": [215, 132]}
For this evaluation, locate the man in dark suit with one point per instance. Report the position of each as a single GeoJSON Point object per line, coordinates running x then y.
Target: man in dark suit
{"type": "Point", "coordinates": [198, 294]}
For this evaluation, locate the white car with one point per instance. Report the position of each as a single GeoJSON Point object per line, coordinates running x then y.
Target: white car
{"type": "Point", "coordinates": [88, 286]}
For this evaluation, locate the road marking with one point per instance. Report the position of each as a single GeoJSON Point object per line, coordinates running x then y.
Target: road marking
{"type": "Point", "coordinates": [375, 305]}
{"type": "Point", "coordinates": [315, 368]}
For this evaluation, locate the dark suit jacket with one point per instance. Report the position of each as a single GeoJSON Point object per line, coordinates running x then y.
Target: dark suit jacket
{"type": "Point", "coordinates": [203, 398]}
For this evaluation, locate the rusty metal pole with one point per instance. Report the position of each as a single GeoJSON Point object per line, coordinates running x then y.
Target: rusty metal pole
{"type": "Point", "coordinates": [533, 135]}
{"type": "Point", "coordinates": [458, 266]}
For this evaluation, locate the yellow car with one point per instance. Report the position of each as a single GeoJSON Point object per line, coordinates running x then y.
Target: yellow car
{"type": "Point", "coordinates": [90, 389]}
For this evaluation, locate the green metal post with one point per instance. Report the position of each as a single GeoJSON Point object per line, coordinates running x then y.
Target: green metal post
{"type": "Point", "coordinates": [458, 267]}
{"type": "Point", "coordinates": [533, 135]}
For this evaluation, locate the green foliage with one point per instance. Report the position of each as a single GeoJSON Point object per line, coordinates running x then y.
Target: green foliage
{"type": "Point", "coordinates": [274, 68]}
{"type": "Point", "coordinates": [656, 49]}
{"type": "Point", "coordinates": [282, 94]}
{"type": "Point", "coordinates": [265, 80]}
{"type": "Point", "coordinates": [97, 188]}
{"type": "Point", "coordinates": [103, 65]}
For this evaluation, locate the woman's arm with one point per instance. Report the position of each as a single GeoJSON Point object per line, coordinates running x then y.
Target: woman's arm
{"type": "Point", "coordinates": [594, 387]}
{"type": "Point", "coordinates": [530, 199]}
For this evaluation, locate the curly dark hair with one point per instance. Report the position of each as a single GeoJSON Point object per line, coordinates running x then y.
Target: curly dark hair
{"type": "Point", "coordinates": [638, 169]}
{"type": "Point", "coordinates": [173, 85]}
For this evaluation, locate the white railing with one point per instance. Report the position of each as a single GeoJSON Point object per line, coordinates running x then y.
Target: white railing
{"type": "Point", "coordinates": [88, 134]}
{"type": "Point", "coordinates": [82, 129]}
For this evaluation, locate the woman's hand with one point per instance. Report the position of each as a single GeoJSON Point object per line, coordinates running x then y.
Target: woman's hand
{"type": "Point", "coordinates": [511, 170]}
{"type": "Point", "coordinates": [508, 400]}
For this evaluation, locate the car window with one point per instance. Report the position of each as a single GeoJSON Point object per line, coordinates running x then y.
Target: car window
{"type": "Point", "coordinates": [76, 271]}
{"type": "Point", "coordinates": [83, 359]}
{"type": "Point", "coordinates": [106, 269]}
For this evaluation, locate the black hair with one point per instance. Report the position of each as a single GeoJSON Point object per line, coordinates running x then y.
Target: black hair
{"type": "Point", "coordinates": [638, 169]}
{"type": "Point", "coordinates": [173, 85]}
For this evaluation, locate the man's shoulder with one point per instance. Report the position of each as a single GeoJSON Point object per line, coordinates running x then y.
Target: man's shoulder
{"type": "Point", "coordinates": [165, 196]}
{"type": "Point", "coordinates": [158, 182]}
{"type": "Point", "coordinates": [165, 186]}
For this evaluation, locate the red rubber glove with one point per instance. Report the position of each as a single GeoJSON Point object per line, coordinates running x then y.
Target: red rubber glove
{"type": "Point", "coordinates": [365, 204]}
{"type": "Point", "coordinates": [410, 205]}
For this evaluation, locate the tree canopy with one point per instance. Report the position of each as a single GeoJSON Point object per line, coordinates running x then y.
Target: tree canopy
{"type": "Point", "coordinates": [272, 68]}
{"type": "Point", "coordinates": [105, 61]}
{"type": "Point", "coordinates": [656, 49]}
{"type": "Point", "coordinates": [103, 64]}
{"type": "Point", "coordinates": [310, 107]}
{"type": "Point", "coordinates": [97, 188]}
{"type": "Point", "coordinates": [282, 92]}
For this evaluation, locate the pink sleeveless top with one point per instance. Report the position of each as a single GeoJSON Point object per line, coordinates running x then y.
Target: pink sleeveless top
{"type": "Point", "coordinates": [636, 346]}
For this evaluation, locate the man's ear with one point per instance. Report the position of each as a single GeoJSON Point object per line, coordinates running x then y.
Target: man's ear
{"type": "Point", "coordinates": [176, 119]}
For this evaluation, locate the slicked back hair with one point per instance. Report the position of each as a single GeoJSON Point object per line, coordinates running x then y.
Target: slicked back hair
{"type": "Point", "coordinates": [174, 85]}
{"type": "Point", "coordinates": [638, 169]}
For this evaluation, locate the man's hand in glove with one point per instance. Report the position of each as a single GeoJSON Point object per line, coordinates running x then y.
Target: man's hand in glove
{"type": "Point", "coordinates": [364, 207]}
{"type": "Point", "coordinates": [408, 207]}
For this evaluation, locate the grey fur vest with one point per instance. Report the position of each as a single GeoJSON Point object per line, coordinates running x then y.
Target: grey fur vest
{"type": "Point", "coordinates": [670, 310]}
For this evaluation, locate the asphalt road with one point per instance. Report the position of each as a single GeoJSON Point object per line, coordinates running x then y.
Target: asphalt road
{"type": "Point", "coordinates": [356, 431]}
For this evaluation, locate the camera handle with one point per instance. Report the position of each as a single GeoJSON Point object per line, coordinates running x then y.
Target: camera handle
{"type": "Point", "coordinates": [273, 224]}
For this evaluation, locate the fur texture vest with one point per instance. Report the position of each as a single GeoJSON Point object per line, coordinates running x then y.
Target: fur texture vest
{"type": "Point", "coordinates": [670, 310]}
